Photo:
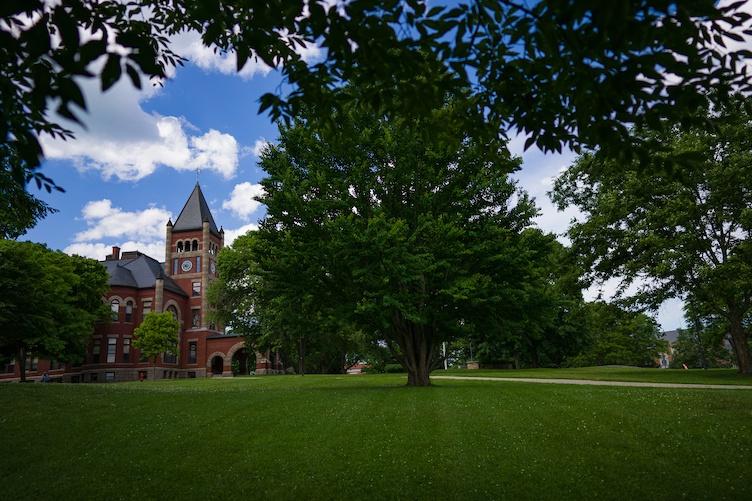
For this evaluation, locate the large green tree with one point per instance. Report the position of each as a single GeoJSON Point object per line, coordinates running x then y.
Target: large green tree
{"type": "Point", "coordinates": [403, 230]}
{"type": "Point", "coordinates": [545, 326]}
{"type": "Point", "coordinates": [674, 232]}
{"type": "Point", "coordinates": [616, 336]}
{"type": "Point", "coordinates": [49, 301]}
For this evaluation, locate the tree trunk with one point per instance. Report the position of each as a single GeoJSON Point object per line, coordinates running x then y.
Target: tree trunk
{"type": "Point", "coordinates": [21, 359]}
{"type": "Point", "coordinates": [301, 356]}
{"type": "Point", "coordinates": [419, 357]}
{"type": "Point", "coordinates": [740, 344]}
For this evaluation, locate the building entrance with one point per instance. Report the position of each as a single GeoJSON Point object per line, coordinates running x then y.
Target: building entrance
{"type": "Point", "coordinates": [217, 365]}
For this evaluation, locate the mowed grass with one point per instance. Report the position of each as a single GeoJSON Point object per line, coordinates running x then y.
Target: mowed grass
{"type": "Point", "coordinates": [691, 376]}
{"type": "Point", "coordinates": [370, 437]}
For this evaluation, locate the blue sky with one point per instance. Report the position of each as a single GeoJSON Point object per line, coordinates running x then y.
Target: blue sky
{"type": "Point", "coordinates": [135, 165]}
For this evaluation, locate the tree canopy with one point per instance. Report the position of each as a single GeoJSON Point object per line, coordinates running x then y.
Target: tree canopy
{"type": "Point", "coordinates": [156, 334]}
{"type": "Point", "coordinates": [615, 336]}
{"type": "Point", "coordinates": [19, 210]}
{"type": "Point", "coordinates": [571, 72]}
{"type": "Point", "coordinates": [48, 301]}
{"type": "Point", "coordinates": [674, 232]}
{"type": "Point", "coordinates": [402, 230]}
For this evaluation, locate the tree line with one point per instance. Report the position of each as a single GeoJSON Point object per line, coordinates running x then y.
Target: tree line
{"type": "Point", "coordinates": [392, 218]}
{"type": "Point", "coordinates": [405, 233]}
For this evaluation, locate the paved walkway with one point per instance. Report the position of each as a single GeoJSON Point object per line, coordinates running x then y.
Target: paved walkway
{"type": "Point", "coordinates": [600, 383]}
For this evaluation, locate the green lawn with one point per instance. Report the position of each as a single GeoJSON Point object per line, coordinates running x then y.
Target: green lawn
{"type": "Point", "coordinates": [691, 376]}
{"type": "Point", "coordinates": [345, 437]}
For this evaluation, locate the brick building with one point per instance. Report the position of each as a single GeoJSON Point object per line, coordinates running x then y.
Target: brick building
{"type": "Point", "coordinates": [140, 284]}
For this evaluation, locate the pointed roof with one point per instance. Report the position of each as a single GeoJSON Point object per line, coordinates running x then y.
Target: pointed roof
{"type": "Point", "coordinates": [139, 271]}
{"type": "Point", "coordinates": [194, 213]}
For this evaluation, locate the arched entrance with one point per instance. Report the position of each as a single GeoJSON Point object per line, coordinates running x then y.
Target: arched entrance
{"type": "Point", "coordinates": [217, 365]}
{"type": "Point", "coordinates": [243, 362]}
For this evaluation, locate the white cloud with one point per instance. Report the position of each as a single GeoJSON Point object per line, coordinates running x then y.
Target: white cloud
{"type": "Point", "coordinates": [104, 220]}
{"type": "Point", "coordinates": [125, 142]}
{"type": "Point", "coordinates": [259, 146]}
{"type": "Point", "coordinates": [231, 235]}
{"type": "Point", "coordinates": [189, 45]}
{"type": "Point", "coordinates": [99, 250]}
{"type": "Point", "coordinates": [539, 170]}
{"type": "Point", "coordinates": [241, 201]}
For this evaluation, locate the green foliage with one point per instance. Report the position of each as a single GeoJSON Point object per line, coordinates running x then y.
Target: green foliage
{"type": "Point", "coordinates": [404, 231]}
{"type": "Point", "coordinates": [545, 322]}
{"type": "Point", "coordinates": [681, 231]}
{"type": "Point", "coordinates": [702, 347]}
{"type": "Point", "coordinates": [618, 337]}
{"type": "Point", "coordinates": [157, 334]}
{"type": "Point", "coordinates": [19, 210]}
{"type": "Point", "coordinates": [48, 301]}
{"type": "Point", "coordinates": [565, 73]}
{"type": "Point", "coordinates": [370, 432]}
{"type": "Point", "coordinates": [44, 60]}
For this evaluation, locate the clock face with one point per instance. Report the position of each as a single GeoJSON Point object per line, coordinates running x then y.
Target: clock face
{"type": "Point", "coordinates": [213, 267]}
{"type": "Point", "coordinates": [186, 265]}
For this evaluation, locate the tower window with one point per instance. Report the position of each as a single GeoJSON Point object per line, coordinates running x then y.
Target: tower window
{"type": "Point", "coordinates": [180, 246]}
{"type": "Point", "coordinates": [195, 317]}
{"type": "Point", "coordinates": [129, 311]}
{"type": "Point", "coordinates": [115, 309]}
{"type": "Point", "coordinates": [196, 288]}
{"type": "Point", "coordinates": [192, 352]}
{"type": "Point", "coordinates": [195, 245]}
{"type": "Point", "coordinates": [198, 264]}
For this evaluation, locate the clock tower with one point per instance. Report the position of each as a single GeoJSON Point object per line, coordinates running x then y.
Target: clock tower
{"type": "Point", "coordinates": [192, 244]}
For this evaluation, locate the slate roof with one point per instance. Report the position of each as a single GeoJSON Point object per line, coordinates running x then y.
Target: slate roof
{"type": "Point", "coordinates": [671, 336]}
{"type": "Point", "coordinates": [194, 213]}
{"type": "Point", "coordinates": [140, 272]}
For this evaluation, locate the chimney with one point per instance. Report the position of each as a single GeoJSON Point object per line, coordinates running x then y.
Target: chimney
{"type": "Point", "coordinates": [115, 253]}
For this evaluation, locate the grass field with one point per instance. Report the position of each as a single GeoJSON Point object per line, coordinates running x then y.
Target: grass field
{"type": "Point", "coordinates": [370, 437]}
{"type": "Point", "coordinates": [691, 376]}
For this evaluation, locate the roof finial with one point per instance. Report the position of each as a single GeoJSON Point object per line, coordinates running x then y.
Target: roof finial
{"type": "Point", "coordinates": [198, 172]}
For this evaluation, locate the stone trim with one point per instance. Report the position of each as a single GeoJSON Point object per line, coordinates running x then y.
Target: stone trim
{"type": "Point", "coordinates": [234, 349]}
{"type": "Point", "coordinates": [215, 354]}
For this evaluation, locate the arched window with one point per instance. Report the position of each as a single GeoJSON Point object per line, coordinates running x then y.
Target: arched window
{"type": "Point", "coordinates": [115, 308]}
{"type": "Point", "coordinates": [180, 246]}
{"type": "Point", "coordinates": [129, 311]}
{"type": "Point", "coordinates": [195, 245]}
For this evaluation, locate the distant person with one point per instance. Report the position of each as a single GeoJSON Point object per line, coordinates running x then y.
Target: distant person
{"type": "Point", "coordinates": [685, 367]}
{"type": "Point", "coordinates": [45, 378]}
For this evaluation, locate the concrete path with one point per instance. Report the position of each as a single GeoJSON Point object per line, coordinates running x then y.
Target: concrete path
{"type": "Point", "coordinates": [600, 383]}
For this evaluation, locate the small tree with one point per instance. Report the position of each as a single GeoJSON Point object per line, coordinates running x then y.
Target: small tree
{"type": "Point", "coordinates": [157, 334]}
